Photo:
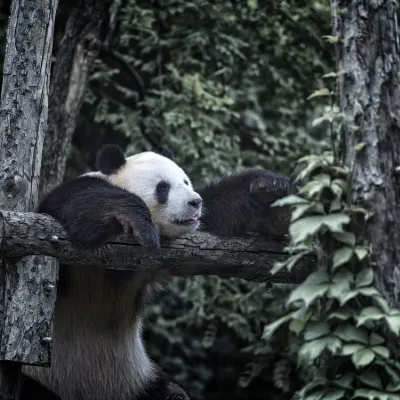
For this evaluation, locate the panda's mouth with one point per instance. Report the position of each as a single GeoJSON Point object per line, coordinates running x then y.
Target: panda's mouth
{"type": "Point", "coordinates": [187, 222]}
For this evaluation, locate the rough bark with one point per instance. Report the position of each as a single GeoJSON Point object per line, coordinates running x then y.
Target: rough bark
{"type": "Point", "coordinates": [249, 258]}
{"type": "Point", "coordinates": [368, 53]}
{"type": "Point", "coordinates": [75, 56]}
{"type": "Point", "coordinates": [24, 110]}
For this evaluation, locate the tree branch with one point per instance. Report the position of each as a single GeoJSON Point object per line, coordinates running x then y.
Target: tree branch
{"type": "Point", "coordinates": [250, 258]}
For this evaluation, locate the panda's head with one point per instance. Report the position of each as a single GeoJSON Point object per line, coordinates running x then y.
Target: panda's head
{"type": "Point", "coordinates": [165, 188]}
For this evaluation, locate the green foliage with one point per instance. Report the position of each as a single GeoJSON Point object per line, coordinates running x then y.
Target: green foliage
{"type": "Point", "coordinates": [340, 318]}
{"type": "Point", "coordinates": [223, 84]}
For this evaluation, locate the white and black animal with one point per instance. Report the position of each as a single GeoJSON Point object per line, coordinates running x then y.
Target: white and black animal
{"type": "Point", "coordinates": [98, 351]}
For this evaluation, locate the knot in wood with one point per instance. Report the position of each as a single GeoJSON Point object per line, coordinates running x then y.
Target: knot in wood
{"type": "Point", "coordinates": [10, 186]}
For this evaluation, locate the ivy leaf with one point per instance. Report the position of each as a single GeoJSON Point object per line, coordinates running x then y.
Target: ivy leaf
{"type": "Point", "coordinates": [363, 358]}
{"type": "Point", "coordinates": [316, 285]}
{"type": "Point", "coordinates": [393, 387]}
{"type": "Point", "coordinates": [345, 381]}
{"type": "Point", "coordinates": [365, 277]}
{"type": "Point", "coordinates": [375, 339]}
{"type": "Point", "coordinates": [303, 228]}
{"type": "Point", "coordinates": [310, 351]}
{"type": "Point", "coordinates": [319, 93]}
{"type": "Point", "coordinates": [374, 395]}
{"type": "Point", "coordinates": [334, 394]}
{"type": "Point", "coordinates": [346, 237]}
{"type": "Point", "coordinates": [342, 315]}
{"type": "Point", "coordinates": [290, 200]}
{"type": "Point", "coordinates": [316, 330]}
{"type": "Point", "coordinates": [300, 210]}
{"type": "Point", "coordinates": [350, 333]}
{"type": "Point", "coordinates": [361, 252]}
{"type": "Point", "coordinates": [352, 348]}
{"type": "Point", "coordinates": [381, 351]}
{"type": "Point", "coordinates": [371, 379]}
{"type": "Point", "coordinates": [369, 314]}
{"type": "Point", "coordinates": [341, 256]}
{"type": "Point", "coordinates": [271, 328]}
{"type": "Point", "coordinates": [340, 284]}
{"type": "Point", "coordinates": [393, 321]}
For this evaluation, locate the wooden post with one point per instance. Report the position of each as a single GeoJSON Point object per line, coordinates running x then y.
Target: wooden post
{"type": "Point", "coordinates": [26, 304]}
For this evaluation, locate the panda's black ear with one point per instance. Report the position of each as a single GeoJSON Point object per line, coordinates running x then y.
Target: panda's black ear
{"type": "Point", "coordinates": [164, 151]}
{"type": "Point", "coordinates": [110, 159]}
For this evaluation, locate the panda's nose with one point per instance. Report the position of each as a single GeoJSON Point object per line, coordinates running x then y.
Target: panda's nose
{"type": "Point", "coordinates": [195, 203]}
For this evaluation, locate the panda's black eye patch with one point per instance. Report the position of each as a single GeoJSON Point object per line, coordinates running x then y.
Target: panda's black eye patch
{"type": "Point", "coordinates": [162, 190]}
{"type": "Point", "coordinates": [186, 182]}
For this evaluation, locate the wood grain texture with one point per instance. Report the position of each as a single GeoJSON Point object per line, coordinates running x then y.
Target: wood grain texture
{"type": "Point", "coordinates": [25, 310]}
{"type": "Point", "coordinates": [200, 253]}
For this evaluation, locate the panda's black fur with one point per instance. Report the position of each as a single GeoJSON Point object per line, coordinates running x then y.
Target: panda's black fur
{"type": "Point", "coordinates": [93, 210]}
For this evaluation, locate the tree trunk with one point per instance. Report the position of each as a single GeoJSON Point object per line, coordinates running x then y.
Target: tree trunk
{"type": "Point", "coordinates": [26, 313]}
{"type": "Point", "coordinates": [368, 53]}
{"type": "Point", "coordinates": [76, 54]}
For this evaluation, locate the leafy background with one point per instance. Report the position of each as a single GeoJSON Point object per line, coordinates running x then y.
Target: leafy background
{"type": "Point", "coordinates": [225, 85]}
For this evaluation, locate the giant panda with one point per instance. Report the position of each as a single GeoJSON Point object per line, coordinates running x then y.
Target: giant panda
{"type": "Point", "coordinates": [98, 352]}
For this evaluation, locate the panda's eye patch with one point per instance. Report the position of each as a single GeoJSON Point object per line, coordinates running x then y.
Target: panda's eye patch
{"type": "Point", "coordinates": [186, 182]}
{"type": "Point", "coordinates": [162, 190]}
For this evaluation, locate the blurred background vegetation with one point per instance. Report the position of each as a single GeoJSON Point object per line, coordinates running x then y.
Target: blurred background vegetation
{"type": "Point", "coordinates": [224, 85]}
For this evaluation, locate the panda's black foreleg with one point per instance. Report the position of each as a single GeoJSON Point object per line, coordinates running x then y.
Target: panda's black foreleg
{"type": "Point", "coordinates": [33, 390]}
{"type": "Point", "coordinates": [164, 389]}
{"type": "Point", "coordinates": [93, 212]}
{"type": "Point", "coordinates": [241, 203]}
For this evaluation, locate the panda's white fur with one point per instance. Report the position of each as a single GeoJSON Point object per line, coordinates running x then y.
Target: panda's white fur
{"type": "Point", "coordinates": [97, 329]}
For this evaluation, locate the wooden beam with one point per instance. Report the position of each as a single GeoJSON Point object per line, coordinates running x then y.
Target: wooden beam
{"type": "Point", "coordinates": [250, 258]}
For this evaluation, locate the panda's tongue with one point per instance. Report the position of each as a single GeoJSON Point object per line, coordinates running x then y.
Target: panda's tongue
{"type": "Point", "coordinates": [194, 218]}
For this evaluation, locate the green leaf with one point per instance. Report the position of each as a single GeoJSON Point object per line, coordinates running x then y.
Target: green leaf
{"type": "Point", "coordinates": [375, 339]}
{"type": "Point", "coordinates": [349, 333]}
{"type": "Point", "coordinates": [369, 314]}
{"type": "Point", "coordinates": [361, 252]}
{"type": "Point", "coordinates": [335, 394]}
{"type": "Point", "coordinates": [341, 256]}
{"type": "Point", "coordinates": [346, 237]}
{"type": "Point", "coordinates": [300, 210]}
{"type": "Point", "coordinates": [393, 322]}
{"type": "Point", "coordinates": [291, 200]}
{"type": "Point", "coordinates": [345, 381]}
{"type": "Point", "coordinates": [316, 285]}
{"type": "Point", "coordinates": [352, 348]}
{"type": "Point", "coordinates": [340, 284]}
{"type": "Point", "coordinates": [342, 315]}
{"type": "Point", "coordinates": [365, 277]}
{"type": "Point", "coordinates": [296, 325]}
{"type": "Point", "coordinates": [371, 379]}
{"type": "Point", "coordinates": [374, 395]}
{"type": "Point", "coordinates": [368, 291]}
{"type": "Point", "coordinates": [271, 328]}
{"type": "Point", "coordinates": [319, 93]}
{"type": "Point", "coordinates": [381, 351]}
{"type": "Point", "coordinates": [363, 358]}
{"type": "Point", "coordinates": [393, 387]}
{"type": "Point", "coordinates": [303, 228]}
{"type": "Point", "coordinates": [316, 330]}
{"type": "Point", "coordinates": [310, 351]}
{"type": "Point", "coordinates": [359, 146]}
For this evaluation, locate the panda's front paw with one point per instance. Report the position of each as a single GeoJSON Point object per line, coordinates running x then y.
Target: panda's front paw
{"type": "Point", "coordinates": [175, 392]}
{"type": "Point", "coordinates": [268, 186]}
{"type": "Point", "coordinates": [265, 188]}
{"type": "Point", "coordinates": [143, 230]}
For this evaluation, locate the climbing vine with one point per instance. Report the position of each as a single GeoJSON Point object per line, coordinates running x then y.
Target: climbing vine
{"type": "Point", "coordinates": [340, 318]}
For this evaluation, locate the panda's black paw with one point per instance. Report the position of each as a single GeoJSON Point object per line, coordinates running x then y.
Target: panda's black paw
{"type": "Point", "coordinates": [142, 229]}
{"type": "Point", "coordinates": [175, 392]}
{"type": "Point", "coordinates": [268, 186]}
